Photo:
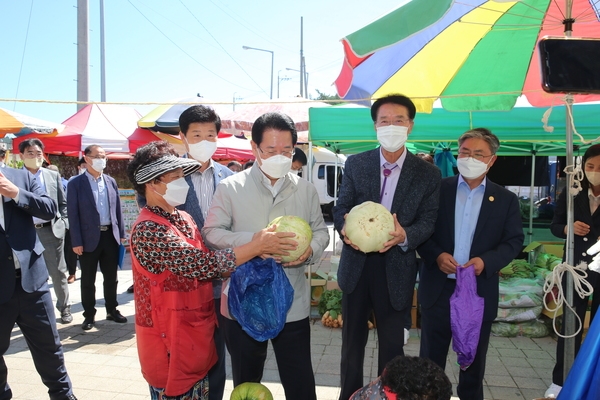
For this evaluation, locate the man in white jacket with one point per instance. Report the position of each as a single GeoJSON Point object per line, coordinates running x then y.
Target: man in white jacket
{"type": "Point", "coordinates": [244, 204]}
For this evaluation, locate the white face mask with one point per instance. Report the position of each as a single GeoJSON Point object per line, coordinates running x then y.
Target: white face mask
{"type": "Point", "coordinates": [471, 168]}
{"type": "Point", "coordinates": [392, 137]}
{"type": "Point", "coordinates": [82, 171]}
{"type": "Point", "coordinates": [177, 191]}
{"type": "Point", "coordinates": [203, 150]}
{"type": "Point", "coordinates": [276, 166]}
{"type": "Point", "coordinates": [294, 171]}
{"type": "Point", "coordinates": [593, 177]}
{"type": "Point", "coordinates": [33, 163]}
{"type": "Point", "coordinates": [99, 164]}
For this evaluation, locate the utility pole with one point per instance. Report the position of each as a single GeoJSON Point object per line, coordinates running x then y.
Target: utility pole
{"type": "Point", "coordinates": [82, 53]}
{"type": "Point", "coordinates": [301, 56]}
{"type": "Point", "coordinates": [102, 57]}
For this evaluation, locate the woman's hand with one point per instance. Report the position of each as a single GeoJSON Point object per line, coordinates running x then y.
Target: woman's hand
{"type": "Point", "coordinates": [579, 228]}
{"type": "Point", "coordinates": [274, 244]}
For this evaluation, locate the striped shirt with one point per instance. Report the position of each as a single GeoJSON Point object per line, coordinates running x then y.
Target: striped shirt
{"type": "Point", "coordinates": [204, 187]}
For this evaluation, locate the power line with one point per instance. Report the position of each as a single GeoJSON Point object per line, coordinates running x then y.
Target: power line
{"type": "Point", "coordinates": [243, 23]}
{"type": "Point", "coordinates": [221, 46]}
{"type": "Point", "coordinates": [185, 52]}
{"type": "Point", "coordinates": [23, 55]}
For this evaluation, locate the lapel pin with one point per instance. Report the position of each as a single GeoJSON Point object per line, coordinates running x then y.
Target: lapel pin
{"type": "Point", "coordinates": [491, 198]}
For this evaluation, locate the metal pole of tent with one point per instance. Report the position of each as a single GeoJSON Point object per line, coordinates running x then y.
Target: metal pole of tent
{"type": "Point", "coordinates": [335, 186]}
{"type": "Point", "coordinates": [568, 315]}
{"type": "Point", "coordinates": [310, 179]}
{"type": "Point", "coordinates": [309, 166]}
{"type": "Point", "coordinates": [531, 189]}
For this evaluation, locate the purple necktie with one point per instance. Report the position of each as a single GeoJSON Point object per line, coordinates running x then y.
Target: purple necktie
{"type": "Point", "coordinates": [386, 172]}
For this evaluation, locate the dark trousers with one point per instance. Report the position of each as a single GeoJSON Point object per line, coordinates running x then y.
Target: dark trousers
{"type": "Point", "coordinates": [292, 353]}
{"type": "Point", "coordinates": [70, 256]}
{"type": "Point", "coordinates": [217, 375]}
{"type": "Point", "coordinates": [580, 306]}
{"type": "Point", "coordinates": [370, 295]}
{"type": "Point", "coordinates": [107, 254]}
{"type": "Point", "coordinates": [436, 335]}
{"type": "Point", "coordinates": [34, 314]}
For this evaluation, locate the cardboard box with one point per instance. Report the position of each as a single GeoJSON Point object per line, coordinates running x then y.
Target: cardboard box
{"type": "Point", "coordinates": [554, 248]}
{"type": "Point", "coordinates": [550, 314]}
{"type": "Point", "coordinates": [332, 284]}
{"type": "Point", "coordinates": [318, 283]}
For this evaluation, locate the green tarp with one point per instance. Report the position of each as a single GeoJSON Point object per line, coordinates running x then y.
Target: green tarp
{"type": "Point", "coordinates": [350, 130]}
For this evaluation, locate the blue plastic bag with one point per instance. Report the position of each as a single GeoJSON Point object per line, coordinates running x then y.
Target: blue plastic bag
{"type": "Point", "coordinates": [260, 295]}
{"type": "Point", "coordinates": [466, 316]}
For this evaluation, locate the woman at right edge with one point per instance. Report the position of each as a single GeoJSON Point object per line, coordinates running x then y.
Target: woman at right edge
{"type": "Point", "coordinates": [586, 230]}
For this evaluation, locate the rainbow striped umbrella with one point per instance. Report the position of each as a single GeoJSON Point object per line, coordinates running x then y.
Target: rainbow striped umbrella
{"type": "Point", "coordinates": [474, 55]}
{"type": "Point", "coordinates": [165, 117]}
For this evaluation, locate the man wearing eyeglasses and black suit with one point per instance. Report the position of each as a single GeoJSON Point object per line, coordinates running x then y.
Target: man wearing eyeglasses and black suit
{"type": "Point", "coordinates": [479, 224]}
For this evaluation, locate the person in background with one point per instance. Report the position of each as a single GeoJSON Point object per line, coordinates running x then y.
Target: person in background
{"type": "Point", "coordinates": [244, 204]}
{"type": "Point", "coordinates": [298, 161]}
{"type": "Point", "coordinates": [97, 228]}
{"type": "Point", "coordinates": [586, 231]}
{"type": "Point", "coordinates": [405, 377]}
{"type": "Point", "coordinates": [176, 343]}
{"type": "Point", "coordinates": [70, 256]}
{"type": "Point", "coordinates": [2, 158]}
{"type": "Point", "coordinates": [383, 282]}
{"type": "Point", "coordinates": [64, 182]}
{"type": "Point", "coordinates": [235, 166]}
{"type": "Point", "coordinates": [248, 164]}
{"type": "Point", "coordinates": [425, 157]}
{"type": "Point", "coordinates": [50, 231]}
{"type": "Point", "coordinates": [25, 298]}
{"type": "Point", "coordinates": [199, 126]}
{"type": "Point", "coordinates": [478, 224]}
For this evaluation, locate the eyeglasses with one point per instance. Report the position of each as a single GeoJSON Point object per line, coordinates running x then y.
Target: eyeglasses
{"type": "Point", "coordinates": [288, 154]}
{"type": "Point", "coordinates": [97, 157]}
{"type": "Point", "coordinates": [477, 156]}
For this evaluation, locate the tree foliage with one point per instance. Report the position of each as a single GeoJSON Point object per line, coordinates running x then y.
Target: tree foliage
{"type": "Point", "coordinates": [331, 99]}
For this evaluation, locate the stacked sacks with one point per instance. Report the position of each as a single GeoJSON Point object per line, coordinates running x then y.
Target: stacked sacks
{"type": "Point", "coordinates": [520, 301]}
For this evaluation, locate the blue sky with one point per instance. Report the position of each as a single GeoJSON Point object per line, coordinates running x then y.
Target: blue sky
{"type": "Point", "coordinates": [159, 50]}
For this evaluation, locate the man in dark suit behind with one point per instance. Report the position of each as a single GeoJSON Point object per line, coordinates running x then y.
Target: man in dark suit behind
{"type": "Point", "coordinates": [24, 294]}
{"type": "Point", "coordinates": [479, 224]}
{"type": "Point", "coordinates": [383, 282]}
{"type": "Point", "coordinates": [96, 228]}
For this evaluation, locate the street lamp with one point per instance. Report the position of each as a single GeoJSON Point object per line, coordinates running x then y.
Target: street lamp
{"type": "Point", "coordinates": [272, 62]}
{"type": "Point", "coordinates": [305, 81]}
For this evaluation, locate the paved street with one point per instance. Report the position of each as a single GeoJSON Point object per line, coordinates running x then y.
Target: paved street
{"type": "Point", "coordinates": [103, 362]}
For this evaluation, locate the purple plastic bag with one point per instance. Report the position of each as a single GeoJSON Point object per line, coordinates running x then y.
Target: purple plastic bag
{"type": "Point", "coordinates": [466, 316]}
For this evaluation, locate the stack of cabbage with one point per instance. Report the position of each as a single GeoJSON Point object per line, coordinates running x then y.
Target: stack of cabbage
{"type": "Point", "coordinates": [521, 293]}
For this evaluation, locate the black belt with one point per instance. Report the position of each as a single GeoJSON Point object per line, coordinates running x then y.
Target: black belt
{"type": "Point", "coordinates": [18, 273]}
{"type": "Point", "coordinates": [104, 228]}
{"type": "Point", "coordinates": [39, 226]}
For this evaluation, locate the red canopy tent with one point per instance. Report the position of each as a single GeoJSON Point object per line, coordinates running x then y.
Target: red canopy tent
{"type": "Point", "coordinates": [107, 125]}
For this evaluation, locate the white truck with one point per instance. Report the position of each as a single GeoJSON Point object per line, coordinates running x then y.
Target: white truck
{"type": "Point", "coordinates": [323, 175]}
